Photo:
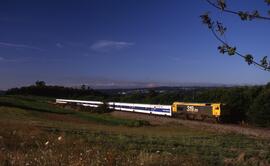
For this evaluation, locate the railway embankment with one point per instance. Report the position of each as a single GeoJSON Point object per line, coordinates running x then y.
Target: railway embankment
{"type": "Point", "coordinates": [213, 127]}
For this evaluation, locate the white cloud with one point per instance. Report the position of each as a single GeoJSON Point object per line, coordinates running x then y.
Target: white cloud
{"type": "Point", "coordinates": [5, 44]}
{"type": "Point", "coordinates": [108, 45]}
{"type": "Point", "coordinates": [1, 58]}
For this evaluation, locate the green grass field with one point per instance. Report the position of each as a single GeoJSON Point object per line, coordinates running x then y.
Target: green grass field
{"type": "Point", "coordinates": [34, 131]}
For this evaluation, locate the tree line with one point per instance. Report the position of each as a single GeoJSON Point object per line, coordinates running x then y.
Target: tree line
{"type": "Point", "coordinates": [41, 89]}
{"type": "Point", "coordinates": [246, 104]}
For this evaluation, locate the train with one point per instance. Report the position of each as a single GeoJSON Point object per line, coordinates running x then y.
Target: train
{"type": "Point", "coordinates": [194, 111]}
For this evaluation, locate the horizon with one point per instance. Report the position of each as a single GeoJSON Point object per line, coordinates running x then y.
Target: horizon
{"type": "Point", "coordinates": [141, 85]}
{"type": "Point", "coordinates": [118, 43]}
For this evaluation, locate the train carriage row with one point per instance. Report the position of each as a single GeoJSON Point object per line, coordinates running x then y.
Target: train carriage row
{"type": "Point", "coordinates": [199, 111]}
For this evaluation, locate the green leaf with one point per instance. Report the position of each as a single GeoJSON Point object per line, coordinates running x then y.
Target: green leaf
{"type": "Point", "coordinates": [222, 4]}
{"type": "Point", "coordinates": [264, 62]}
{"type": "Point", "coordinates": [231, 50]}
{"type": "Point", "coordinates": [249, 59]}
{"type": "Point", "coordinates": [222, 49]}
{"type": "Point", "coordinates": [220, 28]}
{"type": "Point", "coordinates": [206, 20]}
{"type": "Point", "coordinates": [243, 15]}
{"type": "Point", "coordinates": [254, 14]}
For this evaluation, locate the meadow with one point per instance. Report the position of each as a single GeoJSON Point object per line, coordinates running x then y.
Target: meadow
{"type": "Point", "coordinates": [35, 131]}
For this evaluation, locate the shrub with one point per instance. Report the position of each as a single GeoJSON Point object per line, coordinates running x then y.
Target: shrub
{"type": "Point", "coordinates": [104, 108]}
{"type": "Point", "coordinates": [237, 103]}
{"type": "Point", "coordinates": [259, 113]}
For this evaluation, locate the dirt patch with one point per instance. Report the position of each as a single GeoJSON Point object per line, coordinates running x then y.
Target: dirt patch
{"type": "Point", "coordinates": [222, 128]}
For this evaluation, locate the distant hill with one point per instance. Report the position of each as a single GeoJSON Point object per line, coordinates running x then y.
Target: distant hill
{"type": "Point", "coordinates": [2, 92]}
{"type": "Point", "coordinates": [160, 89]}
{"type": "Point", "coordinates": [157, 85]}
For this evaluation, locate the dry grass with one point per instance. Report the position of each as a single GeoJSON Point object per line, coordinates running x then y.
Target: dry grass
{"type": "Point", "coordinates": [38, 138]}
{"type": "Point", "coordinates": [220, 128]}
{"type": "Point", "coordinates": [28, 145]}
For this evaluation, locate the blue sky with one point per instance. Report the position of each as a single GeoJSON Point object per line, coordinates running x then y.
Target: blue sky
{"type": "Point", "coordinates": [124, 42]}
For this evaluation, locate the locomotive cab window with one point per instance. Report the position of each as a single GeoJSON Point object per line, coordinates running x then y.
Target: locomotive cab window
{"type": "Point", "coordinates": [181, 108]}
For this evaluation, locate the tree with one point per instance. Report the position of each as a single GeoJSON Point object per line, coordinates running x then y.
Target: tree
{"type": "Point", "coordinates": [83, 87]}
{"type": "Point", "coordinates": [259, 113]}
{"type": "Point", "coordinates": [40, 83]}
{"type": "Point", "coordinates": [218, 30]}
{"type": "Point", "coordinates": [103, 108]}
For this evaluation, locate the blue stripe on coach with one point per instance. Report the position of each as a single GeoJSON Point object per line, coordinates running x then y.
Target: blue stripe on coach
{"type": "Point", "coordinates": [161, 110]}
{"type": "Point", "coordinates": [144, 108]}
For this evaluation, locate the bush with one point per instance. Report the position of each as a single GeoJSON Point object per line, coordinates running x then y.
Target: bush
{"type": "Point", "coordinates": [259, 114]}
{"type": "Point", "coordinates": [237, 102]}
{"type": "Point", "coordinates": [104, 108]}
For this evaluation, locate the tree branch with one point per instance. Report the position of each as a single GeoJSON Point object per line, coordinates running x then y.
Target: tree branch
{"type": "Point", "coordinates": [236, 52]}
{"type": "Point", "coordinates": [236, 13]}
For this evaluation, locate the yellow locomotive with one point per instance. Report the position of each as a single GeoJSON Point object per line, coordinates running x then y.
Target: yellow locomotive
{"type": "Point", "coordinates": [198, 111]}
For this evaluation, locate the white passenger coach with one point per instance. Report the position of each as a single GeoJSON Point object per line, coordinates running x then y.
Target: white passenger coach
{"type": "Point", "coordinates": [128, 107]}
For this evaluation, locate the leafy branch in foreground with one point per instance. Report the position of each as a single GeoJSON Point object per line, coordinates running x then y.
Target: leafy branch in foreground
{"type": "Point", "coordinates": [244, 15]}
{"type": "Point", "coordinates": [218, 30]}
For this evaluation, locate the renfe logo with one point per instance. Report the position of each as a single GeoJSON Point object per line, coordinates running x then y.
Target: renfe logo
{"type": "Point", "coordinates": [192, 109]}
